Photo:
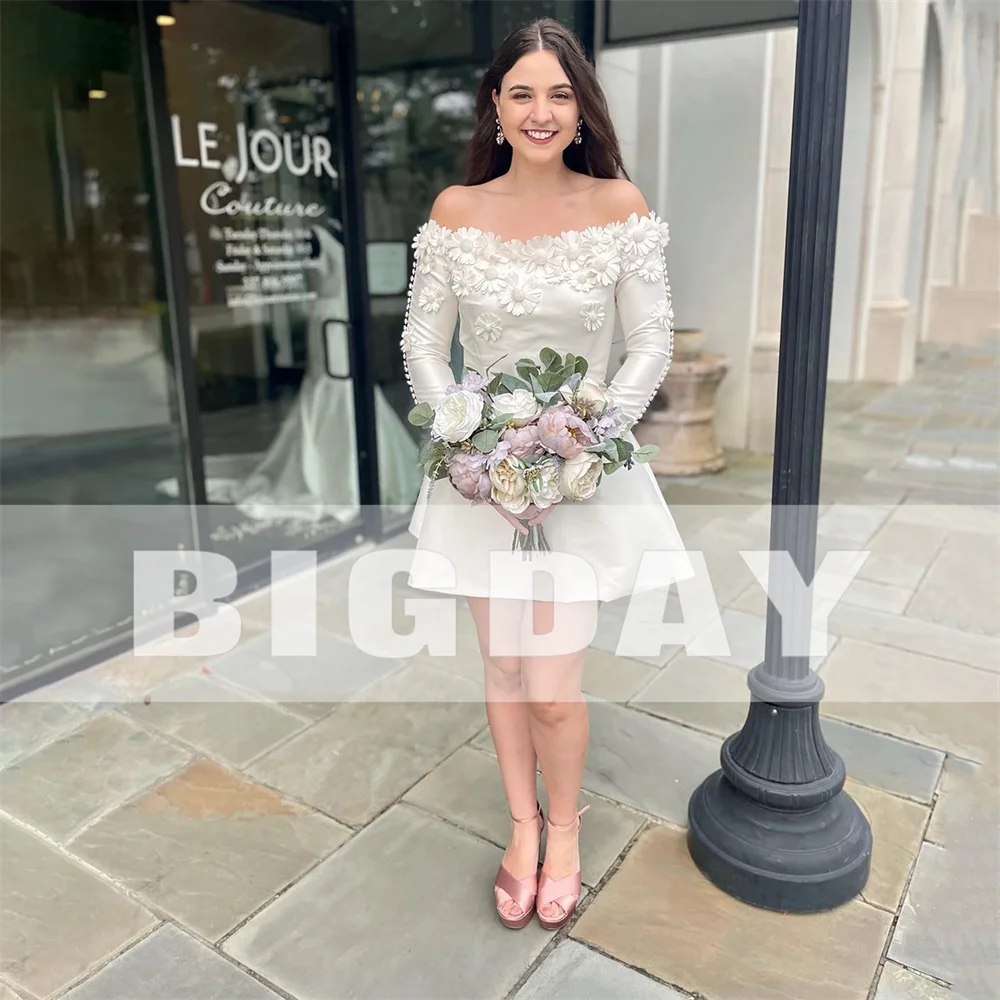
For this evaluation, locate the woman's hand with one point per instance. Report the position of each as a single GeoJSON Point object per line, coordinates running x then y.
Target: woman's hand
{"type": "Point", "coordinates": [507, 515]}
{"type": "Point", "coordinates": [535, 516]}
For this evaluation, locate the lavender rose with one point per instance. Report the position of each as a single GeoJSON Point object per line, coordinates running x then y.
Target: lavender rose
{"type": "Point", "coordinates": [524, 441]}
{"type": "Point", "coordinates": [467, 471]}
{"type": "Point", "coordinates": [561, 431]}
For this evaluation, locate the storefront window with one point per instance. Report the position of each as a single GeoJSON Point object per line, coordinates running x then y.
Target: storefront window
{"type": "Point", "coordinates": [252, 105]}
{"type": "Point", "coordinates": [88, 402]}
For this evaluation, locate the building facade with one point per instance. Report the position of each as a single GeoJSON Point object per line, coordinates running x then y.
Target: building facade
{"type": "Point", "coordinates": [706, 129]}
{"type": "Point", "coordinates": [207, 210]}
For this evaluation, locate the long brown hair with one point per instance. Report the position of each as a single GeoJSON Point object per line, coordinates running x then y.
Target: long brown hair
{"type": "Point", "coordinates": [599, 155]}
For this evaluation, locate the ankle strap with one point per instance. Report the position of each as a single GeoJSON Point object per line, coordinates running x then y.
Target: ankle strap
{"type": "Point", "coordinates": [530, 819]}
{"type": "Point", "coordinates": [568, 827]}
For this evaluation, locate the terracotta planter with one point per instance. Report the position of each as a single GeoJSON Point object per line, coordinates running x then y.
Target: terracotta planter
{"type": "Point", "coordinates": [681, 421]}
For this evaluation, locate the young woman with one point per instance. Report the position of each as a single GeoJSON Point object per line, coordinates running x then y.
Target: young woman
{"type": "Point", "coordinates": [546, 243]}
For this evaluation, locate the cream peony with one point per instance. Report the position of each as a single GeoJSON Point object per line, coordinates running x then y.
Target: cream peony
{"type": "Point", "coordinates": [510, 488]}
{"type": "Point", "coordinates": [590, 398]}
{"type": "Point", "coordinates": [520, 404]}
{"type": "Point", "coordinates": [543, 480]}
{"type": "Point", "coordinates": [457, 416]}
{"type": "Point", "coordinates": [580, 475]}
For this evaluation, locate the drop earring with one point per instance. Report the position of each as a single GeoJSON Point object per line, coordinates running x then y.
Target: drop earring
{"type": "Point", "coordinates": [579, 132]}
{"type": "Point", "coordinates": [500, 135]}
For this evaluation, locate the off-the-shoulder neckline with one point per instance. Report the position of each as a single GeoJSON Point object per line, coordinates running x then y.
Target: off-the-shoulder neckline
{"type": "Point", "coordinates": [634, 218]}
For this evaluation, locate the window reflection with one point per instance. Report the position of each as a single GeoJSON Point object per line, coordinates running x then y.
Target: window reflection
{"type": "Point", "coordinates": [88, 407]}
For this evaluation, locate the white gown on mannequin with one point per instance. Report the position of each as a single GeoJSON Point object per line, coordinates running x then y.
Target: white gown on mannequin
{"type": "Point", "coordinates": [512, 298]}
{"type": "Point", "coordinates": [310, 470]}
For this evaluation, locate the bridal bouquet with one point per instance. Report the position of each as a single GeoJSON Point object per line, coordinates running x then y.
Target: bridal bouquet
{"type": "Point", "coordinates": [526, 441]}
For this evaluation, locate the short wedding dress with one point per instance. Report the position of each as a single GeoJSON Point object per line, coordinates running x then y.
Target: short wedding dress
{"type": "Point", "coordinates": [512, 298]}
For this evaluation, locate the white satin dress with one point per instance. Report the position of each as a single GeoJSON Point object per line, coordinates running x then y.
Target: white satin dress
{"type": "Point", "coordinates": [511, 299]}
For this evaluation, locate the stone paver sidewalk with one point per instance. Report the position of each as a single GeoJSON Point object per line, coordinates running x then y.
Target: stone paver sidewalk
{"type": "Point", "coordinates": [251, 826]}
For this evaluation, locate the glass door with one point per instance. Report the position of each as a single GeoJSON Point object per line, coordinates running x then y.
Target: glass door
{"type": "Point", "coordinates": [90, 404]}
{"type": "Point", "coordinates": [252, 99]}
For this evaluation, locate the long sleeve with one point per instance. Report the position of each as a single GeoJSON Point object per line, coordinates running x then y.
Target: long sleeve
{"type": "Point", "coordinates": [642, 295]}
{"type": "Point", "coordinates": [431, 314]}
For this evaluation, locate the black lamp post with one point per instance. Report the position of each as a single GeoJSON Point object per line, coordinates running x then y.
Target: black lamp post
{"type": "Point", "coordinates": [774, 826]}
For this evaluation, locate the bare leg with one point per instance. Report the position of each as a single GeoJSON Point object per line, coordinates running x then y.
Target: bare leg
{"type": "Point", "coordinates": [509, 722]}
{"type": "Point", "coordinates": [560, 729]}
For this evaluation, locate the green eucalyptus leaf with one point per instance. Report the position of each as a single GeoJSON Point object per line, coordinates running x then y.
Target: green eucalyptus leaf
{"type": "Point", "coordinates": [548, 357]}
{"type": "Point", "coordinates": [421, 415]}
{"type": "Point", "coordinates": [646, 452]}
{"type": "Point", "coordinates": [610, 467]}
{"type": "Point", "coordinates": [485, 441]}
{"type": "Point", "coordinates": [511, 382]}
{"type": "Point", "coordinates": [497, 422]}
{"type": "Point", "coordinates": [580, 366]}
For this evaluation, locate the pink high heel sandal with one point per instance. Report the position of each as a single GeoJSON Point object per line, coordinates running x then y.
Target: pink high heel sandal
{"type": "Point", "coordinates": [520, 890]}
{"type": "Point", "coordinates": [564, 892]}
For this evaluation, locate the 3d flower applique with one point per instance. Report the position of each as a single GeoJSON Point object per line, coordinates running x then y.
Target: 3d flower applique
{"type": "Point", "coordinates": [593, 316]}
{"type": "Point", "coordinates": [467, 245]}
{"type": "Point", "coordinates": [652, 267]}
{"type": "Point", "coordinates": [488, 326]}
{"type": "Point", "coordinates": [520, 294]}
{"type": "Point", "coordinates": [428, 244]}
{"type": "Point", "coordinates": [406, 341]}
{"type": "Point", "coordinates": [430, 298]}
{"type": "Point", "coordinates": [639, 237]}
{"type": "Point", "coordinates": [536, 254]}
{"type": "Point", "coordinates": [464, 280]}
{"type": "Point", "coordinates": [570, 252]}
{"type": "Point", "coordinates": [604, 266]}
{"type": "Point", "coordinates": [489, 276]}
{"type": "Point", "coordinates": [663, 313]}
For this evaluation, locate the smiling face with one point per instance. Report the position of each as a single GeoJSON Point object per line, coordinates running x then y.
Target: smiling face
{"type": "Point", "coordinates": [537, 107]}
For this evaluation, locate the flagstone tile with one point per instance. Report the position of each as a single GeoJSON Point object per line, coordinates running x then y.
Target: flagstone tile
{"type": "Point", "coordinates": [962, 586]}
{"type": "Point", "coordinates": [367, 753]}
{"type": "Point", "coordinates": [949, 925]}
{"type": "Point", "coordinates": [714, 697]}
{"type": "Point", "coordinates": [58, 921]}
{"type": "Point", "coordinates": [647, 763]}
{"type": "Point", "coordinates": [170, 965]}
{"type": "Point", "coordinates": [659, 914]}
{"type": "Point", "coordinates": [897, 830]}
{"type": "Point", "coordinates": [66, 784]}
{"type": "Point", "coordinates": [573, 972]}
{"type": "Point", "coordinates": [614, 678]}
{"type": "Point", "coordinates": [27, 725]}
{"type": "Point", "coordinates": [209, 847]}
{"type": "Point", "coordinates": [404, 910]}
{"type": "Point", "coordinates": [337, 671]}
{"type": "Point", "coordinates": [929, 701]}
{"type": "Point", "coordinates": [899, 983]}
{"type": "Point", "coordinates": [466, 789]}
{"type": "Point", "coordinates": [218, 720]}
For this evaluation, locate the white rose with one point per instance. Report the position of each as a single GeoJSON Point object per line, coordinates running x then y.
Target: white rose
{"type": "Point", "coordinates": [543, 482]}
{"type": "Point", "coordinates": [580, 475]}
{"type": "Point", "coordinates": [510, 488]}
{"type": "Point", "coordinates": [591, 395]}
{"type": "Point", "coordinates": [520, 404]}
{"type": "Point", "coordinates": [588, 399]}
{"type": "Point", "coordinates": [457, 416]}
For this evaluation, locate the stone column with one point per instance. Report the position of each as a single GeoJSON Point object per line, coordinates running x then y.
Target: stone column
{"type": "Point", "coordinates": [888, 350]}
{"type": "Point", "coordinates": [764, 357]}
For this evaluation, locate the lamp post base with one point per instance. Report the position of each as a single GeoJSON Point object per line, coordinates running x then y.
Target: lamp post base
{"type": "Point", "coordinates": [792, 860]}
